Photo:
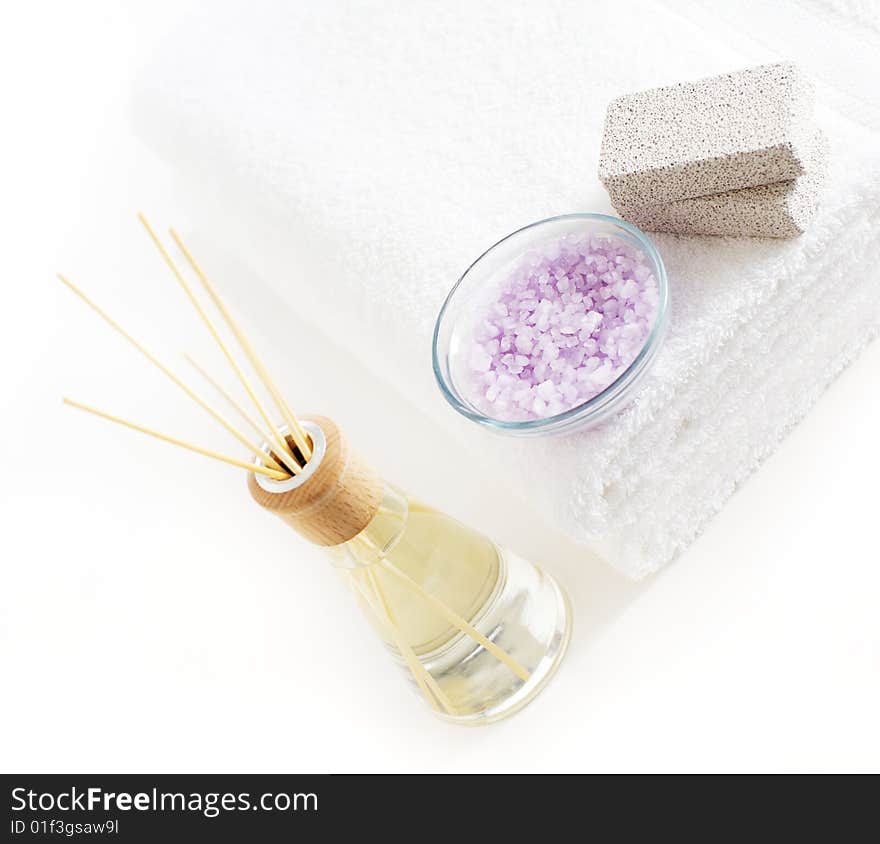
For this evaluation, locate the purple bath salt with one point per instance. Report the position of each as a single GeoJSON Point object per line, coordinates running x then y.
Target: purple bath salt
{"type": "Point", "coordinates": [561, 326]}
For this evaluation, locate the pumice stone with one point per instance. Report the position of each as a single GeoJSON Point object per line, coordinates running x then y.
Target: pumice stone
{"type": "Point", "coordinates": [729, 132]}
{"type": "Point", "coordinates": [783, 209]}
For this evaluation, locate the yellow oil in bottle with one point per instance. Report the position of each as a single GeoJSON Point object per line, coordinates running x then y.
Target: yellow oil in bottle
{"type": "Point", "coordinates": [478, 629]}
{"type": "Point", "coordinates": [508, 600]}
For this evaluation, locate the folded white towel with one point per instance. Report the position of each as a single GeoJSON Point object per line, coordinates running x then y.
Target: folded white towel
{"type": "Point", "coordinates": [379, 148]}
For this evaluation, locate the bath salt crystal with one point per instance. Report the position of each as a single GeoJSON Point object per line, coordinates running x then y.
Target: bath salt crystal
{"type": "Point", "coordinates": [546, 390]}
{"type": "Point", "coordinates": [523, 344]}
{"type": "Point", "coordinates": [560, 327]}
{"type": "Point", "coordinates": [480, 361]}
{"type": "Point", "coordinates": [629, 289]}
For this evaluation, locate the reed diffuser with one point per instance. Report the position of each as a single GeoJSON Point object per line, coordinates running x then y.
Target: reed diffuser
{"type": "Point", "coordinates": [479, 630]}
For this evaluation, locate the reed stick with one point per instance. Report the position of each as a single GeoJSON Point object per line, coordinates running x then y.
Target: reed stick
{"type": "Point", "coordinates": [254, 425]}
{"type": "Point", "coordinates": [456, 620]}
{"type": "Point", "coordinates": [428, 685]}
{"type": "Point", "coordinates": [281, 447]}
{"type": "Point", "coordinates": [296, 431]}
{"type": "Point", "coordinates": [449, 614]}
{"type": "Point", "coordinates": [250, 467]}
{"type": "Point", "coordinates": [447, 704]}
{"type": "Point", "coordinates": [248, 443]}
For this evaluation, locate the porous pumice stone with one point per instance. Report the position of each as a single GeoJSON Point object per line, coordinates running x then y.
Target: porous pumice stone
{"type": "Point", "coordinates": [781, 210]}
{"type": "Point", "coordinates": [560, 325]}
{"type": "Point", "coordinates": [728, 132]}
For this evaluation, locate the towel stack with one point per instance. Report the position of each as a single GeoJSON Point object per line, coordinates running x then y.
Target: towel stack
{"type": "Point", "coordinates": [736, 154]}
{"type": "Point", "coordinates": [359, 173]}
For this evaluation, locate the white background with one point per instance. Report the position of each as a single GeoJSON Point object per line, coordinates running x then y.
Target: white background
{"type": "Point", "coordinates": [153, 619]}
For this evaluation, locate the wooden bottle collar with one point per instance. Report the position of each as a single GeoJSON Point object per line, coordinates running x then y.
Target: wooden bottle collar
{"type": "Point", "coordinates": [334, 498]}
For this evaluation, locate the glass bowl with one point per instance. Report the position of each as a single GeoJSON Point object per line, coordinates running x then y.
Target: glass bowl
{"type": "Point", "coordinates": [456, 323]}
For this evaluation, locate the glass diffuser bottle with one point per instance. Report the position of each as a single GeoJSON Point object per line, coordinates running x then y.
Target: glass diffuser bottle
{"type": "Point", "coordinates": [479, 629]}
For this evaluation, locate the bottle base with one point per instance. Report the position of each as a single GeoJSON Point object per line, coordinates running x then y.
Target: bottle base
{"type": "Point", "coordinates": [540, 640]}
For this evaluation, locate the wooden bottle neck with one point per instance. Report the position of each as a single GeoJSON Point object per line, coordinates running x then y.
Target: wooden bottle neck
{"type": "Point", "coordinates": [335, 496]}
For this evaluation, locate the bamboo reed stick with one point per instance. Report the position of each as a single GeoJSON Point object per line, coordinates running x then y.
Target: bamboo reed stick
{"type": "Point", "coordinates": [450, 615]}
{"type": "Point", "coordinates": [428, 685]}
{"type": "Point", "coordinates": [456, 620]}
{"type": "Point", "coordinates": [249, 444]}
{"type": "Point", "coordinates": [296, 430]}
{"type": "Point", "coordinates": [250, 467]}
{"type": "Point", "coordinates": [254, 425]}
{"type": "Point", "coordinates": [281, 447]}
{"type": "Point", "coordinates": [447, 704]}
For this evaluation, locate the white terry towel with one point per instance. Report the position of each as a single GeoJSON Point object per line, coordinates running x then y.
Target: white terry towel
{"type": "Point", "coordinates": [377, 148]}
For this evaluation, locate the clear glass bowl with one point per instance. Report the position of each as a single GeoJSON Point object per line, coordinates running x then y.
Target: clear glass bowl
{"type": "Point", "coordinates": [453, 331]}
